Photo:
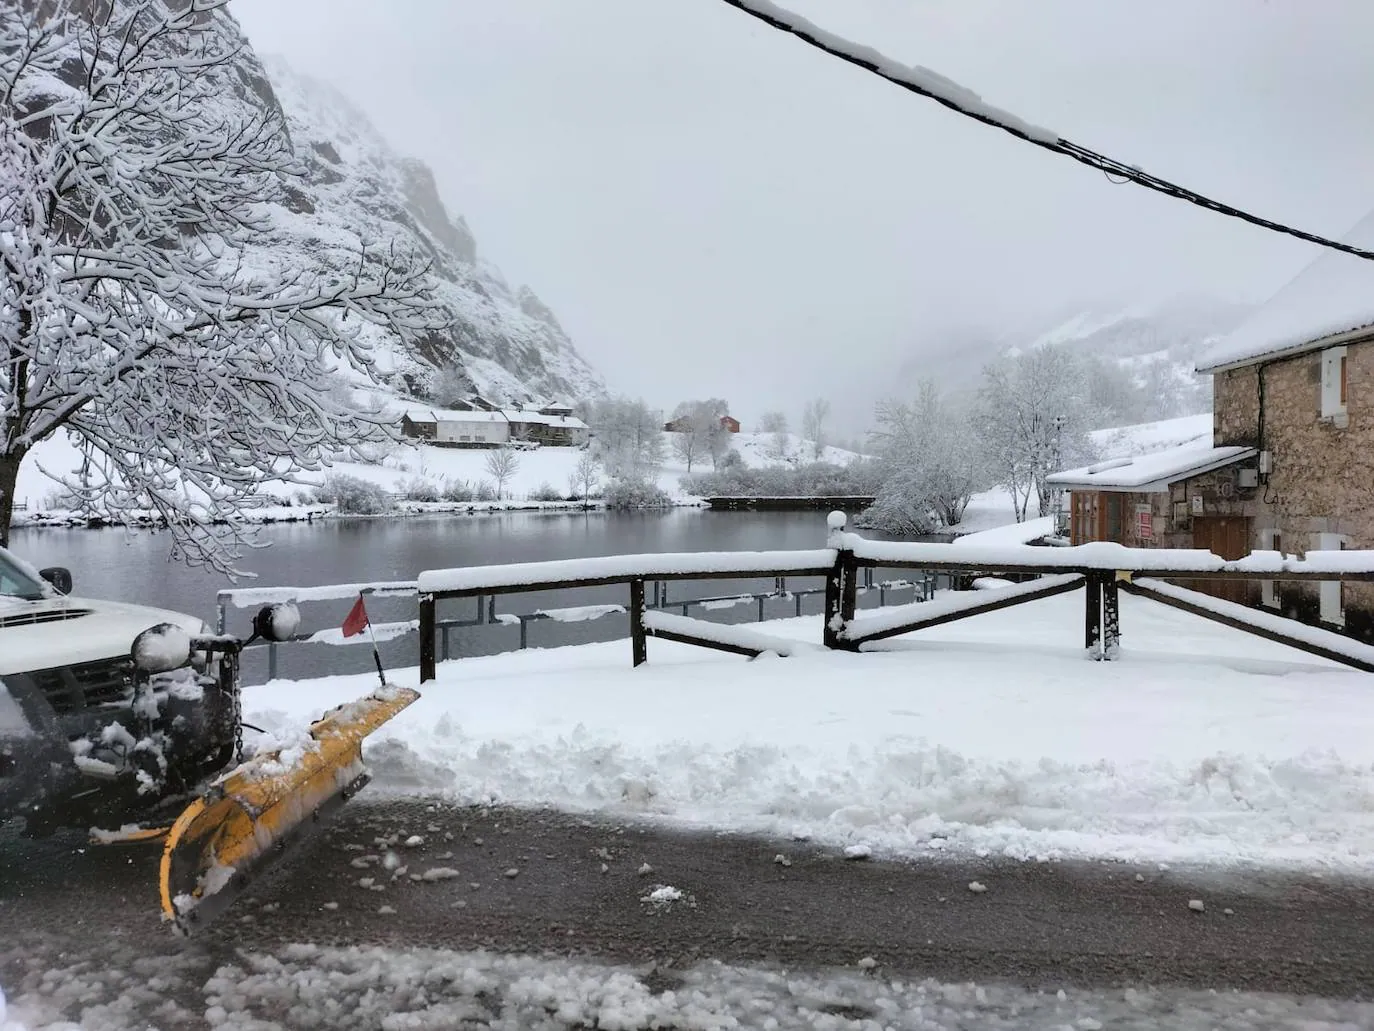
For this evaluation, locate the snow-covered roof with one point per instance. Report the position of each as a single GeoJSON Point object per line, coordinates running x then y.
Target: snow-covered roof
{"type": "Point", "coordinates": [437, 415]}
{"type": "Point", "coordinates": [540, 418]}
{"type": "Point", "coordinates": [1153, 472]}
{"type": "Point", "coordinates": [1331, 297]}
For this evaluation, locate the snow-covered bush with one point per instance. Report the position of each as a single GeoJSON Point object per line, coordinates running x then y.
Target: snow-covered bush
{"type": "Point", "coordinates": [485, 491]}
{"type": "Point", "coordinates": [626, 493]}
{"type": "Point", "coordinates": [417, 488]}
{"type": "Point", "coordinates": [458, 491]}
{"type": "Point", "coordinates": [546, 492]}
{"type": "Point", "coordinates": [353, 496]}
{"type": "Point", "coordinates": [816, 479]}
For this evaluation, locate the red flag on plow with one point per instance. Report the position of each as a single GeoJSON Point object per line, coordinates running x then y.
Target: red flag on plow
{"type": "Point", "coordinates": [356, 621]}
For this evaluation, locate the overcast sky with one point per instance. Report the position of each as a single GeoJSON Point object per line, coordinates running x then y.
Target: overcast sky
{"type": "Point", "coordinates": [713, 208]}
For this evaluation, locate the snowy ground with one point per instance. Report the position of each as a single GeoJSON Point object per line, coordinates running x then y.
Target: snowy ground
{"type": "Point", "coordinates": [399, 989]}
{"type": "Point", "coordinates": [993, 735]}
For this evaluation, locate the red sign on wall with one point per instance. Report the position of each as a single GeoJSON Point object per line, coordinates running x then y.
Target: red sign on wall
{"type": "Point", "coordinates": [1144, 525]}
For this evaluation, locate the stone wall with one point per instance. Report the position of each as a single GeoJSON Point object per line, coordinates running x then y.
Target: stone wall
{"type": "Point", "coordinates": [1322, 478]}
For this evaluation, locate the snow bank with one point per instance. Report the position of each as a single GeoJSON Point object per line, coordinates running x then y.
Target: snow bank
{"type": "Point", "coordinates": [398, 989]}
{"type": "Point", "coordinates": [1202, 744]}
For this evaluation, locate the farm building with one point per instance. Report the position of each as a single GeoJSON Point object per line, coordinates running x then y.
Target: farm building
{"type": "Point", "coordinates": [552, 426]}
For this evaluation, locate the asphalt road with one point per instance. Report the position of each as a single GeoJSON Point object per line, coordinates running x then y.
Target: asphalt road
{"type": "Point", "coordinates": [548, 883]}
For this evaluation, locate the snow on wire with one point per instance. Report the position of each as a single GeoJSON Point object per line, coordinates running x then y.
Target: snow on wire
{"type": "Point", "coordinates": [958, 98]}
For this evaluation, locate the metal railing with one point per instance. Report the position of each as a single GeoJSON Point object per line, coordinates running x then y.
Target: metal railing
{"type": "Point", "coordinates": [919, 587]}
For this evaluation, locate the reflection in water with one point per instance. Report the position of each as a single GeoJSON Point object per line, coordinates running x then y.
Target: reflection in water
{"type": "Point", "coordinates": [133, 567]}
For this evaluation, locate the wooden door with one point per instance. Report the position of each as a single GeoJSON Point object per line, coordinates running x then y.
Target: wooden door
{"type": "Point", "coordinates": [1228, 537]}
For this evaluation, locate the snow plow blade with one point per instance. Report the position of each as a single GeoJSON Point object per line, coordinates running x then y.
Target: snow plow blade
{"type": "Point", "coordinates": [248, 817]}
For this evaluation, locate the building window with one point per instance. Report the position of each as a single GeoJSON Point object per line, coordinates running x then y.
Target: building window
{"type": "Point", "coordinates": [1334, 383]}
{"type": "Point", "coordinates": [1332, 604]}
{"type": "Point", "coordinates": [1270, 540]}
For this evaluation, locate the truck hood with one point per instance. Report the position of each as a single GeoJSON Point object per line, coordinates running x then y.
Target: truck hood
{"type": "Point", "coordinates": [64, 631]}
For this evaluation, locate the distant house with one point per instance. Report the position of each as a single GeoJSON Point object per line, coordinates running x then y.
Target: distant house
{"type": "Point", "coordinates": [681, 425]}
{"type": "Point", "coordinates": [552, 426]}
{"type": "Point", "coordinates": [477, 427]}
{"type": "Point", "coordinates": [456, 427]}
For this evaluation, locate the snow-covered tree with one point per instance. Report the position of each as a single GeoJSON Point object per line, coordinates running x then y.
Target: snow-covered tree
{"type": "Point", "coordinates": [627, 437]}
{"type": "Point", "coordinates": [1032, 416]}
{"type": "Point", "coordinates": [585, 476]}
{"type": "Point", "coordinates": [136, 172]}
{"type": "Point", "coordinates": [698, 432]}
{"type": "Point", "coordinates": [779, 446]}
{"type": "Point", "coordinates": [502, 463]}
{"type": "Point", "coordinates": [814, 418]}
{"type": "Point", "coordinates": [451, 385]}
{"type": "Point", "coordinates": [931, 460]}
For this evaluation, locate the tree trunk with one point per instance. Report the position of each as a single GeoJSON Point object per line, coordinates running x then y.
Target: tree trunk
{"type": "Point", "coordinates": [9, 476]}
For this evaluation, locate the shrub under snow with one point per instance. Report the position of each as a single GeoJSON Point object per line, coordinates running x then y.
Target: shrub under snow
{"type": "Point", "coordinates": [353, 496]}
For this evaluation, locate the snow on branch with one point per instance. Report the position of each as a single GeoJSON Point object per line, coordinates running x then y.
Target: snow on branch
{"type": "Point", "coordinates": [143, 163]}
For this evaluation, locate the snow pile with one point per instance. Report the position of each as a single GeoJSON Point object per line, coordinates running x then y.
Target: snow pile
{"type": "Point", "coordinates": [421, 988]}
{"type": "Point", "coordinates": [1202, 744]}
{"type": "Point", "coordinates": [396, 989]}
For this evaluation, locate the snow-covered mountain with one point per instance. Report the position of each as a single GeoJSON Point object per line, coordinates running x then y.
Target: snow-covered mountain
{"type": "Point", "coordinates": [1168, 336]}
{"type": "Point", "coordinates": [506, 342]}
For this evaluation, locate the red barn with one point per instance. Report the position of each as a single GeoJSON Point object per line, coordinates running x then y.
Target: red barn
{"type": "Point", "coordinates": [729, 424]}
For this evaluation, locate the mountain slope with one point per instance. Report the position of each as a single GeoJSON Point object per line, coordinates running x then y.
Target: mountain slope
{"type": "Point", "coordinates": [505, 343]}
{"type": "Point", "coordinates": [1157, 346]}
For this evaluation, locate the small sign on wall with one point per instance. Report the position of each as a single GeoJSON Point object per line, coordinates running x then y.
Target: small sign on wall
{"type": "Point", "coordinates": [1197, 504]}
{"type": "Point", "coordinates": [1144, 523]}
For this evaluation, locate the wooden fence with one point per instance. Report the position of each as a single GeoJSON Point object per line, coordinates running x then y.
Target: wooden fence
{"type": "Point", "coordinates": [1101, 569]}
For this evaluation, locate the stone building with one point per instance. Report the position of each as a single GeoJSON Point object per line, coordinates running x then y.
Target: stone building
{"type": "Point", "coordinates": [1195, 495]}
{"type": "Point", "coordinates": [1290, 466]}
{"type": "Point", "coordinates": [1296, 383]}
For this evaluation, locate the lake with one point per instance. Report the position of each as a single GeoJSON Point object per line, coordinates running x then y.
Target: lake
{"type": "Point", "coordinates": [124, 566]}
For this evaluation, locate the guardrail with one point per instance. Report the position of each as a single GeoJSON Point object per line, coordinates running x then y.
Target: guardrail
{"type": "Point", "coordinates": [921, 588]}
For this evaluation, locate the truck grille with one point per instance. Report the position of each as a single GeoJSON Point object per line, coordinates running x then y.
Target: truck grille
{"type": "Point", "coordinates": [44, 616]}
{"type": "Point", "coordinates": [86, 685]}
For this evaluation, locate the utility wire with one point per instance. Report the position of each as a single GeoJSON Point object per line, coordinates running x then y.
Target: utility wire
{"type": "Point", "coordinates": [870, 61]}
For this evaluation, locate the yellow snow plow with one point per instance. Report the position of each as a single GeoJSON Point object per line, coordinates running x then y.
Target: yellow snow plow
{"type": "Point", "coordinates": [249, 817]}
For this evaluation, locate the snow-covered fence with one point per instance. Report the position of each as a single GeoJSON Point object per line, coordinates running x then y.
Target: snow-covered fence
{"type": "Point", "coordinates": [633, 571]}
{"type": "Point", "coordinates": [1103, 568]}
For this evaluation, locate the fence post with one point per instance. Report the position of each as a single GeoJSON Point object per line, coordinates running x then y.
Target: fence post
{"type": "Point", "coordinates": [638, 642]}
{"type": "Point", "coordinates": [427, 622]}
{"type": "Point", "coordinates": [443, 643]}
{"type": "Point", "coordinates": [839, 584]}
{"type": "Point", "coordinates": [1092, 623]}
{"type": "Point", "coordinates": [1111, 617]}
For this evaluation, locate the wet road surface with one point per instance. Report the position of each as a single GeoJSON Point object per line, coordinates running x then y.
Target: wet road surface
{"type": "Point", "coordinates": [547, 883]}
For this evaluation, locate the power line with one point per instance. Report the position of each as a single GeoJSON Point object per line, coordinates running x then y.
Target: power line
{"type": "Point", "coordinates": [933, 87]}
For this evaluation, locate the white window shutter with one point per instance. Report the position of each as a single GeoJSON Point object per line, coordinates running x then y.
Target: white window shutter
{"type": "Point", "coordinates": [1331, 381]}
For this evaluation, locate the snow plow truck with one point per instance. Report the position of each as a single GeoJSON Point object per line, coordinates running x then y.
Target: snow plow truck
{"type": "Point", "coordinates": [125, 722]}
